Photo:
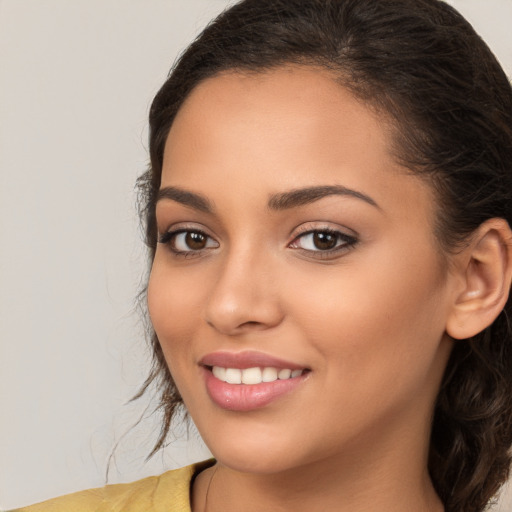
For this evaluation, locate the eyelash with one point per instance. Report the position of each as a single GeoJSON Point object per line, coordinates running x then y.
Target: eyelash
{"type": "Point", "coordinates": [347, 242]}
{"type": "Point", "coordinates": [344, 242]}
{"type": "Point", "coordinates": [169, 239]}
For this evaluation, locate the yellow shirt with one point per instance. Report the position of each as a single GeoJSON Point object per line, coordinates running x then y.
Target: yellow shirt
{"type": "Point", "coordinates": [169, 492]}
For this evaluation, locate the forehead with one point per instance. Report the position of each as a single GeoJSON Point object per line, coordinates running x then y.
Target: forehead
{"type": "Point", "coordinates": [309, 92]}
{"type": "Point", "coordinates": [285, 107]}
{"type": "Point", "coordinates": [314, 87]}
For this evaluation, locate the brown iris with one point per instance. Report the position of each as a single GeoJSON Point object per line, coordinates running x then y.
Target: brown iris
{"type": "Point", "coordinates": [324, 241]}
{"type": "Point", "coordinates": [195, 241]}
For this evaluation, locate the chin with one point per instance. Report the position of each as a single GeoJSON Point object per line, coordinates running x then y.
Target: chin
{"type": "Point", "coordinates": [251, 450]}
{"type": "Point", "coordinates": [260, 461]}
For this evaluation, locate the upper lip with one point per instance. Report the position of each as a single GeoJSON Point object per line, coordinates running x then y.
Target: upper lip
{"type": "Point", "coordinates": [247, 359]}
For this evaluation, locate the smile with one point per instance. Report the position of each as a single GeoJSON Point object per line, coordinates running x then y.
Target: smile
{"type": "Point", "coordinates": [250, 380]}
{"type": "Point", "coordinates": [253, 376]}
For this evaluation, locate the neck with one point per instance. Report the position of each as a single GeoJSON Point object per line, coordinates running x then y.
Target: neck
{"type": "Point", "coordinates": [382, 481]}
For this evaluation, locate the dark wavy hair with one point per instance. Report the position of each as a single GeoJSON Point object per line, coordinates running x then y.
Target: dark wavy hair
{"type": "Point", "coordinates": [420, 63]}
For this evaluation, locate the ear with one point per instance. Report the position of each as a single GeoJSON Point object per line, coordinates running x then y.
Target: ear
{"type": "Point", "coordinates": [485, 271]}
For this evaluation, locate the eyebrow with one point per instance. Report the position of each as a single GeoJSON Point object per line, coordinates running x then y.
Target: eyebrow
{"type": "Point", "coordinates": [303, 196]}
{"type": "Point", "coordinates": [277, 202]}
{"type": "Point", "coordinates": [196, 201]}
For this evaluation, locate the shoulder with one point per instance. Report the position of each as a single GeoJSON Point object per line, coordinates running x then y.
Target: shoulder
{"type": "Point", "coordinates": [169, 491]}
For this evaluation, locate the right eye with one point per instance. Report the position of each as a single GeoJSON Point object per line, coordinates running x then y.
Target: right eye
{"type": "Point", "coordinates": [188, 241]}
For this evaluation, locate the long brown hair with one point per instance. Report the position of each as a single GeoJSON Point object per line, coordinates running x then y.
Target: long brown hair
{"type": "Point", "coordinates": [421, 63]}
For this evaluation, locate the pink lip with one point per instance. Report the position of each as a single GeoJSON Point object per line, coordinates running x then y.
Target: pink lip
{"type": "Point", "coordinates": [247, 359]}
{"type": "Point", "coordinates": [244, 397]}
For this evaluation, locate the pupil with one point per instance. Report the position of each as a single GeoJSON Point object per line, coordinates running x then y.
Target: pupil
{"type": "Point", "coordinates": [195, 240]}
{"type": "Point", "coordinates": [324, 241]}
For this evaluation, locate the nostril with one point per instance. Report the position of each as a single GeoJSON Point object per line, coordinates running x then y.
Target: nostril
{"type": "Point", "coordinates": [231, 310]}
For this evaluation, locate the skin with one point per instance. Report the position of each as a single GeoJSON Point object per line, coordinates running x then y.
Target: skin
{"type": "Point", "coordinates": [369, 320]}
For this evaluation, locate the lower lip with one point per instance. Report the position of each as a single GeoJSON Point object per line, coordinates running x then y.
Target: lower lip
{"type": "Point", "coordinates": [247, 397]}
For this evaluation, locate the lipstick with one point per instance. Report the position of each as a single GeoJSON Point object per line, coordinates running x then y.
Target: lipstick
{"type": "Point", "coordinates": [249, 380]}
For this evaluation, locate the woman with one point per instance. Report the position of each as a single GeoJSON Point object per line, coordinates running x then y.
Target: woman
{"type": "Point", "coordinates": [328, 210]}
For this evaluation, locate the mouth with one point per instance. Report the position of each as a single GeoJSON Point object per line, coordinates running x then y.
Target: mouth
{"type": "Point", "coordinates": [249, 380]}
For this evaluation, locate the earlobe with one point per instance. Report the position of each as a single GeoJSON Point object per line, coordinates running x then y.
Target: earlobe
{"type": "Point", "coordinates": [485, 267]}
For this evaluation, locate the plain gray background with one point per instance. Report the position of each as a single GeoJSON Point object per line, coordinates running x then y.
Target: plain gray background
{"type": "Point", "coordinates": [76, 81]}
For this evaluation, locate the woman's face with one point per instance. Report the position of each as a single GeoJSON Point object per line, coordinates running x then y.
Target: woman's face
{"type": "Point", "coordinates": [290, 240]}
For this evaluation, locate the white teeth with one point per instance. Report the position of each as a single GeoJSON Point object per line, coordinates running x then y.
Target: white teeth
{"type": "Point", "coordinates": [284, 374]}
{"type": "Point", "coordinates": [269, 375]}
{"type": "Point", "coordinates": [219, 372]}
{"type": "Point", "coordinates": [233, 376]}
{"type": "Point", "coordinates": [253, 375]}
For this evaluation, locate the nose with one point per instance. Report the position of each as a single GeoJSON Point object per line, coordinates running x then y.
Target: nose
{"type": "Point", "coordinates": [244, 297]}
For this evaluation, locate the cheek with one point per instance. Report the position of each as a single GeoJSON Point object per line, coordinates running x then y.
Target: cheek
{"type": "Point", "coordinates": [378, 321]}
{"type": "Point", "coordinates": [174, 308]}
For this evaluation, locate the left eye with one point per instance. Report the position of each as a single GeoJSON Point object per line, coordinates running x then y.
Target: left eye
{"type": "Point", "coordinates": [188, 241]}
{"type": "Point", "coordinates": [323, 241]}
